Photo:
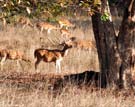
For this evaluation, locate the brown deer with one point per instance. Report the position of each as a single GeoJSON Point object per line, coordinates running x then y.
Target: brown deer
{"type": "Point", "coordinates": [12, 55]}
{"type": "Point", "coordinates": [85, 44]}
{"type": "Point", "coordinates": [4, 22]}
{"type": "Point", "coordinates": [46, 26]}
{"type": "Point", "coordinates": [55, 55]}
{"type": "Point", "coordinates": [65, 23]}
{"type": "Point", "coordinates": [25, 22]}
{"type": "Point", "coordinates": [65, 33]}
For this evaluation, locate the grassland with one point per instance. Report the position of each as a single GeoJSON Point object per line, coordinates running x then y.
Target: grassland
{"type": "Point", "coordinates": [20, 93]}
{"type": "Point", "coordinates": [29, 39]}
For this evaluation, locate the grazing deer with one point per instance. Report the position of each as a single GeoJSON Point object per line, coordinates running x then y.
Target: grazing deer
{"type": "Point", "coordinates": [55, 55]}
{"type": "Point", "coordinates": [12, 55]}
{"type": "Point", "coordinates": [65, 23]}
{"type": "Point", "coordinates": [25, 22]}
{"type": "Point", "coordinates": [46, 26]}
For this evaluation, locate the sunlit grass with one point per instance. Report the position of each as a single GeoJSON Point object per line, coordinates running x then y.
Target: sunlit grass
{"type": "Point", "coordinates": [70, 96]}
{"type": "Point", "coordinates": [29, 39]}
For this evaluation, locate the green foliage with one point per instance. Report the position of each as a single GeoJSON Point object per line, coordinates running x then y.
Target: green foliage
{"type": "Point", "coordinates": [105, 16]}
{"type": "Point", "coordinates": [113, 1]}
{"type": "Point", "coordinates": [85, 4]}
{"type": "Point", "coordinates": [31, 8]}
{"type": "Point", "coordinates": [47, 9]}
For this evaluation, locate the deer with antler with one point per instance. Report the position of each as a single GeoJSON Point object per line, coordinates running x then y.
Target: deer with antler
{"type": "Point", "coordinates": [55, 55]}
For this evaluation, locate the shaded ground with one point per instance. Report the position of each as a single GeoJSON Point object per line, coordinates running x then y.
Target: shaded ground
{"type": "Point", "coordinates": [50, 81]}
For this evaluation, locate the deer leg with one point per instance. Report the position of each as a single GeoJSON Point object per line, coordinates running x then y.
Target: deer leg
{"type": "Point", "coordinates": [61, 26]}
{"type": "Point", "coordinates": [58, 66]}
{"type": "Point", "coordinates": [48, 31]}
{"type": "Point", "coordinates": [41, 30]}
{"type": "Point", "coordinates": [2, 62]}
{"type": "Point", "coordinates": [66, 27]}
{"type": "Point", "coordinates": [19, 66]}
{"type": "Point", "coordinates": [24, 26]}
{"type": "Point", "coordinates": [36, 63]}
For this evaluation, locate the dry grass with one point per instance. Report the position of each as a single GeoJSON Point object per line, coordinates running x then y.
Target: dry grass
{"type": "Point", "coordinates": [70, 96]}
{"type": "Point", "coordinates": [28, 39]}
{"type": "Point", "coordinates": [78, 60]}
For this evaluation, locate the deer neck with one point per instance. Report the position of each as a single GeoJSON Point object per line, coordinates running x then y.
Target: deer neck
{"type": "Point", "coordinates": [65, 50]}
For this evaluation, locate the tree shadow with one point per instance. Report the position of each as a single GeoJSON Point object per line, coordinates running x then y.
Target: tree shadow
{"type": "Point", "coordinates": [52, 82]}
{"type": "Point", "coordinates": [84, 79]}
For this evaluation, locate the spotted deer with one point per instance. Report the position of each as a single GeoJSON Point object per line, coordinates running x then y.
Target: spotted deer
{"type": "Point", "coordinates": [11, 55]}
{"type": "Point", "coordinates": [46, 26]}
{"type": "Point", "coordinates": [25, 22]}
{"type": "Point", "coordinates": [4, 22]}
{"type": "Point", "coordinates": [84, 44]}
{"type": "Point", "coordinates": [55, 55]}
{"type": "Point", "coordinates": [65, 23]}
{"type": "Point", "coordinates": [65, 33]}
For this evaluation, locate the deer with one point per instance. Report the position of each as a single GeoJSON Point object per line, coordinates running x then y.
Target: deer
{"type": "Point", "coordinates": [46, 26]}
{"type": "Point", "coordinates": [65, 23]}
{"type": "Point", "coordinates": [84, 44]}
{"type": "Point", "coordinates": [11, 55]}
{"type": "Point", "coordinates": [25, 22]}
{"type": "Point", "coordinates": [65, 33]}
{"type": "Point", "coordinates": [55, 55]}
{"type": "Point", "coordinates": [4, 22]}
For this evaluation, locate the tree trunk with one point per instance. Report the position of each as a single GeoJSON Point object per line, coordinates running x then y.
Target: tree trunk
{"type": "Point", "coordinates": [107, 48]}
{"type": "Point", "coordinates": [126, 44]}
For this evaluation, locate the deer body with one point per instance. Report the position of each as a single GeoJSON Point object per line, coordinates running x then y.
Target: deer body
{"type": "Point", "coordinates": [46, 26]}
{"type": "Point", "coordinates": [48, 56]}
{"type": "Point", "coordinates": [85, 44]}
{"type": "Point", "coordinates": [12, 55]}
{"type": "Point", "coordinates": [65, 23]}
{"type": "Point", "coordinates": [65, 33]}
{"type": "Point", "coordinates": [25, 22]}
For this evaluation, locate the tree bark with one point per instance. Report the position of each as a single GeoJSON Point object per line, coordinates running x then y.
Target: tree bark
{"type": "Point", "coordinates": [126, 44]}
{"type": "Point", "coordinates": [105, 37]}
